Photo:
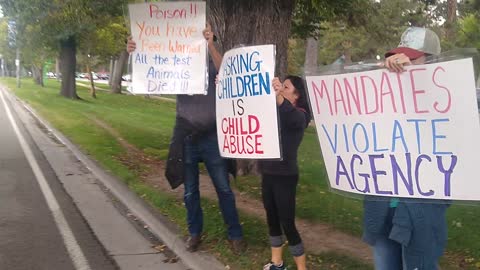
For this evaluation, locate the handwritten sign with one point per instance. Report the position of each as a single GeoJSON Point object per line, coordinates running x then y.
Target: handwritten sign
{"type": "Point", "coordinates": [171, 51]}
{"type": "Point", "coordinates": [414, 134]}
{"type": "Point", "coordinates": [247, 125]}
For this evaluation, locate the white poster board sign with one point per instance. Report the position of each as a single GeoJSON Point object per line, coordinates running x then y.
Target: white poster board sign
{"type": "Point", "coordinates": [414, 134]}
{"type": "Point", "coordinates": [246, 108]}
{"type": "Point", "coordinates": [171, 53]}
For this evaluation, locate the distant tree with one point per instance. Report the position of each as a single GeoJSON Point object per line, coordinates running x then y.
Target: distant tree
{"type": "Point", "coordinates": [62, 23]}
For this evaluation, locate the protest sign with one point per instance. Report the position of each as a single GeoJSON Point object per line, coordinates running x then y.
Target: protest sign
{"type": "Point", "coordinates": [413, 134]}
{"type": "Point", "coordinates": [171, 53]}
{"type": "Point", "coordinates": [246, 108]}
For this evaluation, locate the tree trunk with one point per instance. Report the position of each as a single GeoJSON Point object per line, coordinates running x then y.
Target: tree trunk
{"type": "Point", "coordinates": [311, 55]}
{"type": "Point", "coordinates": [38, 75]}
{"type": "Point", "coordinates": [57, 69]}
{"type": "Point", "coordinates": [112, 67]}
{"type": "Point", "coordinates": [68, 62]}
{"type": "Point", "coordinates": [451, 20]}
{"type": "Point", "coordinates": [253, 22]}
{"type": "Point", "coordinates": [93, 92]}
{"type": "Point", "coordinates": [118, 72]}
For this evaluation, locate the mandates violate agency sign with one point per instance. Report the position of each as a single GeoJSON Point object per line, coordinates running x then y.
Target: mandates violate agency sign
{"type": "Point", "coordinates": [414, 134]}
{"type": "Point", "coordinates": [246, 108]}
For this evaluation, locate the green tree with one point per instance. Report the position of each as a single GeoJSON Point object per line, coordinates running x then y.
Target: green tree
{"type": "Point", "coordinates": [62, 22]}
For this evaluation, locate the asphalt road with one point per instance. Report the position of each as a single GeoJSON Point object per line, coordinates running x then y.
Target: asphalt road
{"type": "Point", "coordinates": [59, 210]}
{"type": "Point", "coordinates": [40, 227]}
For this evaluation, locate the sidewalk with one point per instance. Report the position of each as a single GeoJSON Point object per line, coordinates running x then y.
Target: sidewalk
{"type": "Point", "coordinates": [136, 236]}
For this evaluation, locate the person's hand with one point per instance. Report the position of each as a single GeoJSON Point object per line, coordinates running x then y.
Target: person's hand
{"type": "Point", "coordinates": [131, 45]}
{"type": "Point", "coordinates": [277, 85]}
{"type": "Point", "coordinates": [208, 34]}
{"type": "Point", "coordinates": [396, 62]}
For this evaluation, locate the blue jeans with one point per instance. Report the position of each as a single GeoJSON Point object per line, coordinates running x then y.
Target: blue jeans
{"type": "Point", "coordinates": [206, 149]}
{"type": "Point", "coordinates": [390, 255]}
{"type": "Point", "coordinates": [387, 254]}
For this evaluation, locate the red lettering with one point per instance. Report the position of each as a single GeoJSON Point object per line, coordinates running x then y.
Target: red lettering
{"type": "Point", "coordinates": [250, 149]}
{"type": "Point", "coordinates": [225, 144]}
{"type": "Point", "coordinates": [257, 144]}
{"type": "Point", "coordinates": [364, 90]}
{"type": "Point", "coordinates": [224, 127]}
{"type": "Point", "coordinates": [338, 89]}
{"type": "Point", "coordinates": [449, 103]}
{"type": "Point", "coordinates": [250, 124]}
{"type": "Point", "coordinates": [402, 97]}
{"type": "Point", "coordinates": [233, 149]}
{"type": "Point", "coordinates": [386, 79]}
{"type": "Point", "coordinates": [153, 8]}
{"type": "Point", "coordinates": [154, 11]}
{"type": "Point", "coordinates": [354, 96]}
{"type": "Point", "coordinates": [243, 131]}
{"type": "Point", "coordinates": [319, 93]}
{"type": "Point", "coordinates": [415, 91]}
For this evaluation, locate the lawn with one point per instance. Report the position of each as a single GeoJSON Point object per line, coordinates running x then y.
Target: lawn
{"type": "Point", "coordinates": [147, 124]}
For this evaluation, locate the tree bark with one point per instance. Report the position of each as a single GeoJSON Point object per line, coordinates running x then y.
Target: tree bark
{"type": "Point", "coordinates": [311, 55]}
{"type": "Point", "coordinates": [68, 62]}
{"type": "Point", "coordinates": [57, 69]}
{"type": "Point", "coordinates": [93, 91]}
{"type": "Point", "coordinates": [253, 22]}
{"type": "Point", "coordinates": [118, 72]}
{"type": "Point", "coordinates": [451, 20]}
{"type": "Point", "coordinates": [112, 65]}
{"type": "Point", "coordinates": [38, 75]}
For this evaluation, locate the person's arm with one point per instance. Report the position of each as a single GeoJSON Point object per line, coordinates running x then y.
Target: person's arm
{"type": "Point", "coordinates": [290, 116]}
{"type": "Point", "coordinates": [212, 50]}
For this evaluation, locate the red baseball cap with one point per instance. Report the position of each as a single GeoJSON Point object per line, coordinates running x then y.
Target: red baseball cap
{"type": "Point", "coordinates": [411, 53]}
{"type": "Point", "coordinates": [416, 42]}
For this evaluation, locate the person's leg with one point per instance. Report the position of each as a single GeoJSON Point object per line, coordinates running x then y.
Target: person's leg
{"type": "Point", "coordinates": [217, 169]}
{"type": "Point", "coordinates": [285, 193]}
{"type": "Point", "coordinates": [192, 193]}
{"type": "Point", "coordinates": [273, 221]}
{"type": "Point", "coordinates": [387, 254]}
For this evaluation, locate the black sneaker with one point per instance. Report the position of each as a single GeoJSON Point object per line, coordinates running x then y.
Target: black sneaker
{"type": "Point", "coordinates": [271, 266]}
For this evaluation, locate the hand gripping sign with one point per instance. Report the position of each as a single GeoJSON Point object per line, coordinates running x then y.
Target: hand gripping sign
{"type": "Point", "coordinates": [171, 54]}
{"type": "Point", "coordinates": [414, 134]}
{"type": "Point", "coordinates": [246, 109]}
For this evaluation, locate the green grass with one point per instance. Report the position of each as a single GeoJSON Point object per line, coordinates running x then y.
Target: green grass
{"type": "Point", "coordinates": [147, 124]}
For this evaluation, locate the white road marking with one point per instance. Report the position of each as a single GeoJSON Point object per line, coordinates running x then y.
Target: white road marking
{"type": "Point", "coordinates": [74, 250]}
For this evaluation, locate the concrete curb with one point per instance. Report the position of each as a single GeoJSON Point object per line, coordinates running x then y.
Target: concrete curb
{"type": "Point", "coordinates": [157, 224]}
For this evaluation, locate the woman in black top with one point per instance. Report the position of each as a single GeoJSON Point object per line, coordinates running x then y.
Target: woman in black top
{"type": "Point", "coordinates": [280, 178]}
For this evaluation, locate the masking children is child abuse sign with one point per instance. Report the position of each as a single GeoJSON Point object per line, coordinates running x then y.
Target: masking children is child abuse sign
{"type": "Point", "coordinates": [171, 53]}
{"type": "Point", "coordinates": [247, 125]}
{"type": "Point", "coordinates": [414, 134]}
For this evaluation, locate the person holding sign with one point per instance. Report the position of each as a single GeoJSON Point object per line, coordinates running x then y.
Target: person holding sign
{"type": "Point", "coordinates": [407, 233]}
{"type": "Point", "coordinates": [280, 178]}
{"type": "Point", "coordinates": [195, 140]}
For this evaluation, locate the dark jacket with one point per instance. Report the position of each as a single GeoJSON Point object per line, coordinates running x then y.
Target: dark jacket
{"type": "Point", "coordinates": [174, 171]}
{"type": "Point", "coordinates": [293, 122]}
{"type": "Point", "coordinates": [419, 226]}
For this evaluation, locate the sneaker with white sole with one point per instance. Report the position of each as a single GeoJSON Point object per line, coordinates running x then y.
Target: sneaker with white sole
{"type": "Point", "coordinates": [271, 266]}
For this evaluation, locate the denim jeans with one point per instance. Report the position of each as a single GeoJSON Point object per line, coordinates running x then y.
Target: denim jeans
{"type": "Point", "coordinates": [387, 254]}
{"type": "Point", "coordinates": [390, 255]}
{"type": "Point", "coordinates": [206, 149]}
